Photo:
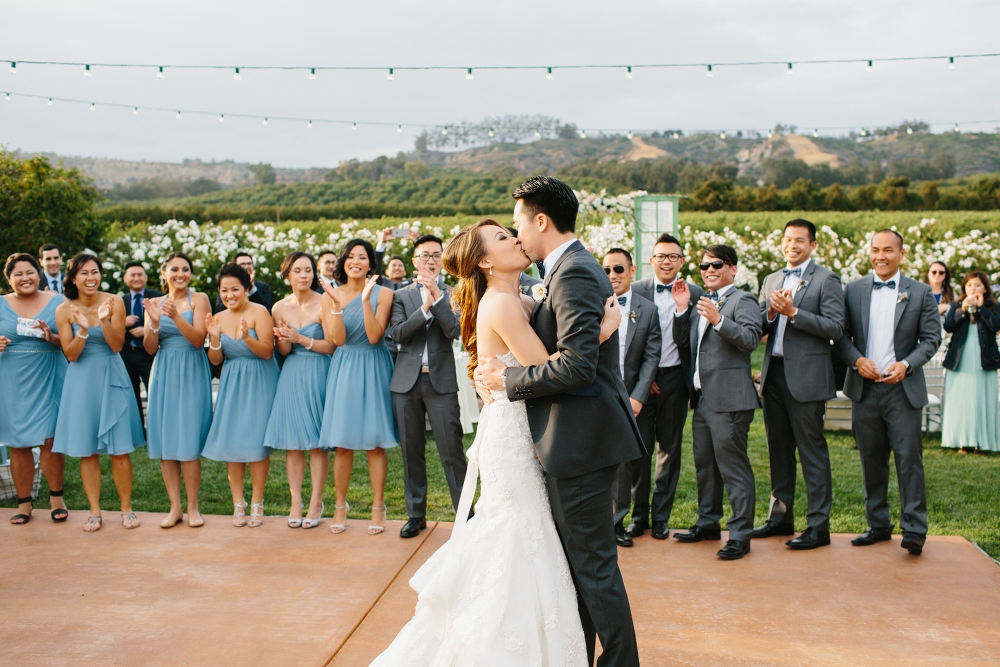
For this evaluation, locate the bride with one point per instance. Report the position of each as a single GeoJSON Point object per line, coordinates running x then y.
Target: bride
{"type": "Point", "coordinates": [499, 592]}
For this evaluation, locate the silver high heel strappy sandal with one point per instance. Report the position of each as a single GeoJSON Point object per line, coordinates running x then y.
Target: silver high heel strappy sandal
{"type": "Point", "coordinates": [340, 527]}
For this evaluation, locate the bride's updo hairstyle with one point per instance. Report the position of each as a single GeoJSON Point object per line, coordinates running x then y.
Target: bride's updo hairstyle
{"type": "Point", "coordinates": [461, 258]}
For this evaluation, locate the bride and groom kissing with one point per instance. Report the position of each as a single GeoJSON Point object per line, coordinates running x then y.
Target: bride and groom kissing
{"type": "Point", "coordinates": [533, 576]}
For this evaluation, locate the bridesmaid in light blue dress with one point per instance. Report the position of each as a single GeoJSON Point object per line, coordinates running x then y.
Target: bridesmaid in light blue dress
{"type": "Point", "coordinates": [180, 385]}
{"type": "Point", "coordinates": [358, 412]}
{"type": "Point", "coordinates": [32, 369]}
{"type": "Point", "coordinates": [298, 406]}
{"type": "Point", "coordinates": [97, 412]}
{"type": "Point", "coordinates": [243, 336]}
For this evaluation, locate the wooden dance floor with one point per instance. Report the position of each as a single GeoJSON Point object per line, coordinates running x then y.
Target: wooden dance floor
{"type": "Point", "coordinates": [272, 596]}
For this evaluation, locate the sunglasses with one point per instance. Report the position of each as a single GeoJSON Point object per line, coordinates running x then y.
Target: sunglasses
{"type": "Point", "coordinates": [617, 268]}
{"type": "Point", "coordinates": [717, 265]}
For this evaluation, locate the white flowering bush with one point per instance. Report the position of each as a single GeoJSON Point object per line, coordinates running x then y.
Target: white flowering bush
{"type": "Point", "coordinates": [608, 221]}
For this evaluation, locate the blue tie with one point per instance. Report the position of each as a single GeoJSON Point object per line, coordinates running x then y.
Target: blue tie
{"type": "Point", "coordinates": [793, 272]}
{"type": "Point", "coordinates": [541, 269]}
{"type": "Point", "coordinates": [891, 284]}
{"type": "Point", "coordinates": [137, 311]}
{"type": "Point", "coordinates": [622, 301]}
{"type": "Point", "coordinates": [714, 296]}
{"type": "Point", "coordinates": [662, 288]}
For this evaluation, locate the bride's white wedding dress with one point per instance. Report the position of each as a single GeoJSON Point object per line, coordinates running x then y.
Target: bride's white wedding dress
{"type": "Point", "coordinates": [499, 592]}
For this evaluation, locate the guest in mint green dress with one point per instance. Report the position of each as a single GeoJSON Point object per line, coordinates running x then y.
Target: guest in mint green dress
{"type": "Point", "coordinates": [32, 368]}
{"type": "Point", "coordinates": [243, 336]}
{"type": "Point", "coordinates": [297, 413]}
{"type": "Point", "coordinates": [971, 420]}
{"type": "Point", "coordinates": [179, 412]}
{"type": "Point", "coordinates": [97, 410]}
{"type": "Point", "coordinates": [358, 413]}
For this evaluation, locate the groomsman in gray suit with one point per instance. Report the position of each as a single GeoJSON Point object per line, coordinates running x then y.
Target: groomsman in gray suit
{"type": "Point", "coordinates": [666, 409]}
{"type": "Point", "coordinates": [802, 313]}
{"type": "Point", "coordinates": [892, 330]}
{"type": "Point", "coordinates": [424, 384]}
{"type": "Point", "coordinates": [720, 335]}
{"type": "Point", "coordinates": [638, 357]}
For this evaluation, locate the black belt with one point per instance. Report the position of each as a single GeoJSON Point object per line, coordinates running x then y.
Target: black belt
{"type": "Point", "coordinates": [777, 360]}
{"type": "Point", "coordinates": [663, 370]}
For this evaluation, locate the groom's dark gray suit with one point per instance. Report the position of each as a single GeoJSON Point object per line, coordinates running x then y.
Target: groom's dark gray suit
{"type": "Point", "coordinates": [582, 425]}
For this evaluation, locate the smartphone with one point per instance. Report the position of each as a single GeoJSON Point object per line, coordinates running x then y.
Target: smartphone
{"type": "Point", "coordinates": [400, 233]}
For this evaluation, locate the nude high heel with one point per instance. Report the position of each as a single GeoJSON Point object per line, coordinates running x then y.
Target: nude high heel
{"type": "Point", "coordinates": [340, 527]}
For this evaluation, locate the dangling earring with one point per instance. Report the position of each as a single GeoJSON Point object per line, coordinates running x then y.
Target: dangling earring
{"type": "Point", "coordinates": [491, 270]}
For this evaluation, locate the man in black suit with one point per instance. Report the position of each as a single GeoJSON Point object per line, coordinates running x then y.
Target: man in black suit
{"type": "Point", "coordinates": [802, 311]}
{"type": "Point", "coordinates": [259, 293]}
{"type": "Point", "coordinates": [579, 413]}
{"type": "Point", "coordinates": [138, 362]}
{"type": "Point", "coordinates": [326, 263]}
{"type": "Point", "coordinates": [666, 410]}
{"type": "Point", "coordinates": [424, 381]}
{"type": "Point", "coordinates": [51, 260]}
{"type": "Point", "coordinates": [638, 354]}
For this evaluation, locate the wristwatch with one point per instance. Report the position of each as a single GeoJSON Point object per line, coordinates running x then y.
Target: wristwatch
{"type": "Point", "coordinates": [905, 363]}
{"type": "Point", "coordinates": [794, 315]}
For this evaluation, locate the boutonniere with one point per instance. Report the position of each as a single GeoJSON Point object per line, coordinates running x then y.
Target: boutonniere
{"type": "Point", "coordinates": [633, 315]}
{"type": "Point", "coordinates": [539, 292]}
{"type": "Point", "coordinates": [802, 283]}
{"type": "Point", "coordinates": [721, 303]}
{"type": "Point", "coordinates": [903, 296]}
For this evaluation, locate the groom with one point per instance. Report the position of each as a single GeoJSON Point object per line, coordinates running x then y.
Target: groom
{"type": "Point", "coordinates": [578, 410]}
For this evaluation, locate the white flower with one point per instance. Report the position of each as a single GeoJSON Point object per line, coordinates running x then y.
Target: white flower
{"type": "Point", "coordinates": [539, 292]}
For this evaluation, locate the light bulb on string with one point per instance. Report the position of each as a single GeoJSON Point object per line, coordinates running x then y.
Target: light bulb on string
{"type": "Point", "coordinates": [869, 68]}
{"type": "Point", "coordinates": [708, 72]}
{"type": "Point", "coordinates": [629, 135]}
{"type": "Point", "coordinates": [951, 63]}
{"type": "Point", "coordinates": [92, 106]}
{"type": "Point", "coordinates": [309, 126]}
{"type": "Point", "coordinates": [50, 102]}
{"type": "Point", "coordinates": [864, 132]}
{"type": "Point", "coordinates": [13, 67]}
{"type": "Point", "coordinates": [312, 74]}
{"type": "Point", "coordinates": [722, 135]}
{"type": "Point", "coordinates": [399, 128]}
{"type": "Point", "coordinates": [909, 130]}
{"type": "Point", "coordinates": [135, 111]}
{"type": "Point", "coordinates": [265, 120]}
{"type": "Point", "coordinates": [222, 118]}
{"type": "Point", "coordinates": [6, 97]}
{"type": "Point", "coordinates": [537, 134]}
{"type": "Point", "coordinates": [770, 134]}
{"type": "Point", "coordinates": [86, 70]}
{"type": "Point", "coordinates": [956, 128]}
{"type": "Point", "coordinates": [583, 134]}
{"type": "Point", "coordinates": [159, 74]}
{"type": "Point", "coordinates": [178, 115]}
{"type": "Point", "coordinates": [390, 77]}
{"type": "Point", "coordinates": [236, 74]}
{"type": "Point", "coordinates": [790, 70]}
{"type": "Point", "coordinates": [816, 133]}
{"type": "Point", "coordinates": [490, 133]}
{"type": "Point", "coordinates": [354, 126]}
{"type": "Point", "coordinates": [444, 130]}
{"type": "Point", "coordinates": [468, 74]}
{"type": "Point", "coordinates": [548, 74]}
{"type": "Point", "coordinates": [677, 135]}
{"type": "Point", "coordinates": [628, 72]}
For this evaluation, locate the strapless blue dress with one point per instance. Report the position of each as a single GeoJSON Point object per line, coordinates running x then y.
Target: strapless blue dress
{"type": "Point", "coordinates": [31, 379]}
{"type": "Point", "coordinates": [97, 412]}
{"type": "Point", "coordinates": [297, 414]}
{"type": "Point", "coordinates": [180, 396]}
{"type": "Point", "coordinates": [358, 412]}
{"type": "Point", "coordinates": [243, 405]}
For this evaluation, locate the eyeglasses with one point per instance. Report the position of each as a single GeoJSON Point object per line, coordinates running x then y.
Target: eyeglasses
{"type": "Point", "coordinates": [673, 257]}
{"type": "Point", "coordinates": [717, 265]}
{"type": "Point", "coordinates": [617, 268]}
{"type": "Point", "coordinates": [424, 256]}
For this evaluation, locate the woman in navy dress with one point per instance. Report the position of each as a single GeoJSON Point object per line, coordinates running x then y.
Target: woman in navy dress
{"type": "Point", "coordinates": [243, 336]}
{"type": "Point", "coordinates": [97, 412]}
{"type": "Point", "coordinates": [32, 369]}
{"type": "Point", "coordinates": [297, 413]}
{"type": "Point", "coordinates": [180, 385]}
{"type": "Point", "coordinates": [358, 413]}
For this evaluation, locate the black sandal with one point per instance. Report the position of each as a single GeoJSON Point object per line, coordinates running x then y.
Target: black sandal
{"type": "Point", "coordinates": [21, 519]}
{"type": "Point", "coordinates": [59, 515]}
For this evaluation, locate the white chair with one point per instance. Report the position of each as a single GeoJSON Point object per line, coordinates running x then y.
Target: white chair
{"type": "Point", "coordinates": [838, 413]}
{"type": "Point", "coordinates": [934, 410]}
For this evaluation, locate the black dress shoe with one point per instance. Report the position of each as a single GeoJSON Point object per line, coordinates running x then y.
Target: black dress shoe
{"type": "Point", "coordinates": [914, 542]}
{"type": "Point", "coordinates": [871, 536]}
{"type": "Point", "coordinates": [699, 533]}
{"type": "Point", "coordinates": [734, 550]}
{"type": "Point", "coordinates": [772, 528]}
{"type": "Point", "coordinates": [810, 539]}
{"type": "Point", "coordinates": [660, 530]}
{"type": "Point", "coordinates": [413, 527]}
{"type": "Point", "coordinates": [637, 528]}
{"type": "Point", "coordinates": [621, 537]}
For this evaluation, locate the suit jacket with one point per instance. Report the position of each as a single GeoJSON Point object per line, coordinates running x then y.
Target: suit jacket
{"type": "Point", "coordinates": [808, 341]}
{"type": "Point", "coordinates": [526, 282]}
{"type": "Point", "coordinates": [726, 379]}
{"type": "Point", "coordinates": [261, 296]}
{"type": "Point", "coordinates": [957, 323]}
{"type": "Point", "coordinates": [578, 410]}
{"type": "Point", "coordinates": [642, 347]}
{"type": "Point", "coordinates": [43, 284]}
{"type": "Point", "coordinates": [916, 337]}
{"type": "Point", "coordinates": [127, 298]}
{"type": "Point", "coordinates": [409, 328]}
{"type": "Point", "coordinates": [644, 288]}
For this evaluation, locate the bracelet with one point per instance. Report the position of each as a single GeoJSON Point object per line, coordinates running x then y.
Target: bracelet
{"type": "Point", "coordinates": [212, 347]}
{"type": "Point", "coordinates": [336, 312]}
{"type": "Point", "coordinates": [156, 331]}
{"type": "Point", "coordinates": [84, 336]}
{"type": "Point", "coordinates": [311, 342]}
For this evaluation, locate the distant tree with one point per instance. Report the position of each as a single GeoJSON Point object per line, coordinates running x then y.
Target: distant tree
{"type": "Point", "coordinates": [200, 186]}
{"type": "Point", "coordinates": [804, 192]}
{"type": "Point", "coordinates": [929, 193]}
{"type": "Point", "coordinates": [766, 198]}
{"type": "Point", "coordinates": [263, 174]}
{"type": "Point", "coordinates": [875, 172]}
{"type": "Point", "coordinates": [866, 197]}
{"type": "Point", "coordinates": [712, 195]}
{"type": "Point", "coordinates": [421, 142]}
{"type": "Point", "coordinates": [835, 199]}
{"type": "Point", "coordinates": [416, 169]}
{"type": "Point", "coordinates": [570, 131]}
{"type": "Point", "coordinates": [944, 163]}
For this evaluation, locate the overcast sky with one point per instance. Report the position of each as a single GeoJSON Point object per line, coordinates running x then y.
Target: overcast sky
{"type": "Point", "coordinates": [399, 33]}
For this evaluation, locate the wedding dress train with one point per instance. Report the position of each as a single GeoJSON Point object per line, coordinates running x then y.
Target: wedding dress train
{"type": "Point", "coordinates": [499, 593]}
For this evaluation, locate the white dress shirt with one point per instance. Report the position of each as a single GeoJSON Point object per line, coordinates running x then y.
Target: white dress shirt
{"type": "Point", "coordinates": [623, 329]}
{"type": "Point", "coordinates": [54, 282]}
{"type": "Point", "coordinates": [881, 326]}
{"type": "Point", "coordinates": [427, 315]}
{"type": "Point", "coordinates": [665, 308]}
{"type": "Point", "coordinates": [550, 260]}
{"type": "Point", "coordinates": [702, 328]}
{"type": "Point", "coordinates": [791, 283]}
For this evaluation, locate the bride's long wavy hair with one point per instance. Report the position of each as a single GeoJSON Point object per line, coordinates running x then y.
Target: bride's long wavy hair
{"type": "Point", "coordinates": [461, 258]}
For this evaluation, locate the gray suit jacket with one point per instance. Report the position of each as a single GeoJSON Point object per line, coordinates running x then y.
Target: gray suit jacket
{"type": "Point", "coordinates": [916, 338]}
{"type": "Point", "coordinates": [807, 344]}
{"type": "Point", "coordinates": [526, 282]}
{"type": "Point", "coordinates": [409, 328]}
{"type": "Point", "coordinates": [644, 288]}
{"type": "Point", "coordinates": [578, 410]}
{"type": "Point", "coordinates": [726, 379]}
{"type": "Point", "coordinates": [642, 347]}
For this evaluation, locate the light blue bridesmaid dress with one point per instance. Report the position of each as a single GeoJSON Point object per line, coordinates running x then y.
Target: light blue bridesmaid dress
{"type": "Point", "coordinates": [243, 405]}
{"type": "Point", "coordinates": [97, 412]}
{"type": "Point", "coordinates": [358, 412]}
{"type": "Point", "coordinates": [297, 414]}
{"type": "Point", "coordinates": [180, 396]}
{"type": "Point", "coordinates": [31, 379]}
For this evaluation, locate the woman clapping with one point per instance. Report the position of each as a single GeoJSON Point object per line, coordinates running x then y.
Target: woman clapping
{"type": "Point", "coordinates": [243, 336]}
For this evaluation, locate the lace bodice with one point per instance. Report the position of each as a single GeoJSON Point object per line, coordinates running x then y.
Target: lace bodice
{"type": "Point", "coordinates": [510, 361]}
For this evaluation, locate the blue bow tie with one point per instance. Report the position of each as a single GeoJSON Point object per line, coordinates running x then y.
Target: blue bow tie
{"type": "Point", "coordinates": [541, 269]}
{"type": "Point", "coordinates": [714, 296]}
{"type": "Point", "coordinates": [622, 301]}
{"type": "Point", "coordinates": [891, 284]}
{"type": "Point", "coordinates": [663, 288]}
{"type": "Point", "coordinates": [793, 272]}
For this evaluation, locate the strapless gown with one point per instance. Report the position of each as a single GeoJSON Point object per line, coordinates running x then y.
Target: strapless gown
{"type": "Point", "coordinates": [297, 414]}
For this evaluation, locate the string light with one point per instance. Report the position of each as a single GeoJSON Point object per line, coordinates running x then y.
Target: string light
{"type": "Point", "coordinates": [951, 62]}
{"type": "Point", "coordinates": [816, 133]}
{"type": "Point", "coordinates": [354, 126]}
{"type": "Point", "coordinates": [13, 67]}
{"type": "Point", "coordinates": [583, 134]}
{"type": "Point", "coordinates": [135, 111]}
{"type": "Point", "coordinates": [628, 72]}
{"type": "Point", "coordinates": [468, 74]}
{"type": "Point", "coordinates": [222, 118]}
{"type": "Point", "coordinates": [708, 72]}
{"type": "Point", "coordinates": [869, 68]}
{"type": "Point", "coordinates": [444, 130]}
{"type": "Point", "coordinates": [6, 97]}
{"type": "Point", "coordinates": [722, 135]}
{"type": "Point", "coordinates": [537, 134]}
{"type": "Point", "coordinates": [86, 70]}
{"type": "Point", "coordinates": [399, 128]}
{"type": "Point", "coordinates": [629, 134]}
{"type": "Point", "coordinates": [390, 77]}
{"type": "Point", "coordinates": [92, 106]}
{"type": "Point", "coordinates": [159, 74]}
{"type": "Point", "coordinates": [236, 74]}
{"type": "Point", "coordinates": [179, 116]}
{"type": "Point", "coordinates": [790, 70]}
{"type": "Point", "coordinates": [770, 134]}
{"type": "Point", "coordinates": [956, 128]}
{"type": "Point", "coordinates": [864, 132]}
{"type": "Point", "coordinates": [909, 130]}
{"type": "Point", "coordinates": [490, 133]}
{"type": "Point", "coordinates": [50, 101]}
{"type": "Point", "coordinates": [265, 118]}
{"type": "Point", "coordinates": [548, 74]}
{"type": "Point", "coordinates": [312, 73]}
{"type": "Point", "coordinates": [309, 126]}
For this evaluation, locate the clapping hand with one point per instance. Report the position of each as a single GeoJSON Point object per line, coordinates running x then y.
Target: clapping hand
{"type": "Point", "coordinates": [212, 326]}
{"type": "Point", "coordinates": [46, 331]}
{"type": "Point", "coordinates": [612, 318]}
{"type": "Point", "coordinates": [331, 292]}
{"type": "Point", "coordinates": [153, 310]}
{"type": "Point", "coordinates": [169, 308]}
{"type": "Point", "coordinates": [432, 292]}
{"type": "Point", "coordinates": [244, 329]}
{"type": "Point", "coordinates": [284, 331]}
{"type": "Point", "coordinates": [782, 303]}
{"type": "Point", "coordinates": [682, 295]}
{"type": "Point", "coordinates": [79, 319]}
{"type": "Point", "coordinates": [709, 310]}
{"type": "Point", "coordinates": [106, 308]}
{"type": "Point", "coordinates": [367, 291]}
